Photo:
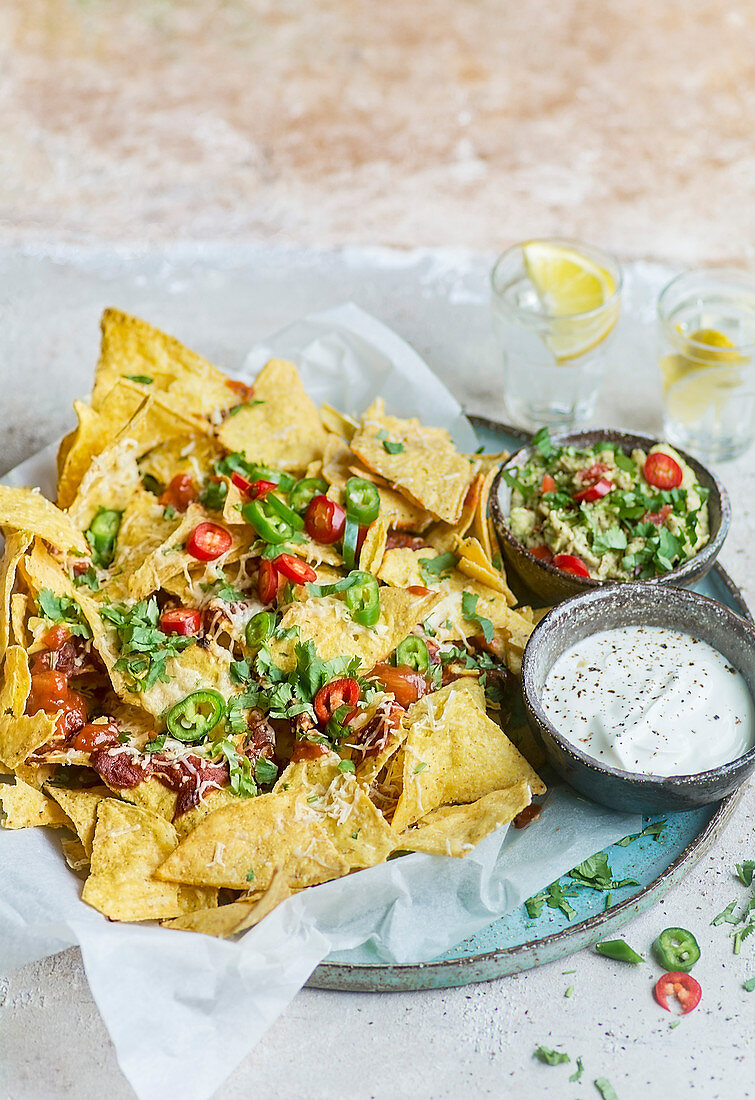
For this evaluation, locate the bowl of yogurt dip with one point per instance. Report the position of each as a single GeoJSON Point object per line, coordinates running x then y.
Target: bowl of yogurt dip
{"type": "Point", "coordinates": [644, 699]}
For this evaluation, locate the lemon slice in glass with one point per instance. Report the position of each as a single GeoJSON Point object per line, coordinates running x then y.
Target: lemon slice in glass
{"type": "Point", "coordinates": [573, 290]}
{"type": "Point", "coordinates": [702, 379]}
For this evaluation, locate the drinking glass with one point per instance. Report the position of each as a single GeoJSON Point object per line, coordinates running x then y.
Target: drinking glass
{"type": "Point", "coordinates": [706, 330]}
{"type": "Point", "coordinates": [553, 358]}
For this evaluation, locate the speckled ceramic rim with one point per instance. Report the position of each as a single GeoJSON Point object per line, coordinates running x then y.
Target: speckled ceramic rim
{"type": "Point", "coordinates": [629, 601]}
{"type": "Point", "coordinates": [685, 573]}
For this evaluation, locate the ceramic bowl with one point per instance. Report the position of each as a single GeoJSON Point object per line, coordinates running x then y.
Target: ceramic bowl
{"type": "Point", "coordinates": [551, 584]}
{"type": "Point", "coordinates": [635, 605]}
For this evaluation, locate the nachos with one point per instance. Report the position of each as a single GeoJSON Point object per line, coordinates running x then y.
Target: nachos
{"type": "Point", "coordinates": [255, 645]}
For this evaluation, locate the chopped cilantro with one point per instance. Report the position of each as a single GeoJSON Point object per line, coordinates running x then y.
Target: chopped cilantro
{"type": "Point", "coordinates": [514, 482]}
{"type": "Point", "coordinates": [551, 1057]}
{"type": "Point", "coordinates": [578, 1071]}
{"type": "Point", "coordinates": [745, 871]}
{"type": "Point", "coordinates": [420, 768]}
{"type": "Point", "coordinates": [543, 443]}
{"type": "Point", "coordinates": [240, 769]}
{"type": "Point", "coordinates": [144, 648]}
{"type": "Point", "coordinates": [469, 611]}
{"type": "Point", "coordinates": [169, 512]}
{"type": "Point", "coordinates": [244, 405]}
{"type": "Point", "coordinates": [624, 462]}
{"type": "Point", "coordinates": [143, 379]}
{"type": "Point", "coordinates": [605, 1088]}
{"type": "Point", "coordinates": [655, 829]}
{"type": "Point", "coordinates": [726, 916]}
{"type": "Point", "coordinates": [124, 738]}
{"type": "Point", "coordinates": [346, 766]}
{"type": "Point", "coordinates": [265, 771]}
{"type": "Point", "coordinates": [534, 905]}
{"type": "Point", "coordinates": [437, 568]}
{"type": "Point", "coordinates": [155, 745]}
{"type": "Point", "coordinates": [557, 899]}
{"type": "Point", "coordinates": [740, 934]}
{"type": "Point", "coordinates": [88, 579]}
{"type": "Point", "coordinates": [213, 495]}
{"type": "Point", "coordinates": [63, 609]}
{"type": "Point", "coordinates": [250, 875]}
{"type": "Point", "coordinates": [612, 539]}
{"type": "Point", "coordinates": [749, 985]}
{"type": "Point", "coordinates": [393, 448]}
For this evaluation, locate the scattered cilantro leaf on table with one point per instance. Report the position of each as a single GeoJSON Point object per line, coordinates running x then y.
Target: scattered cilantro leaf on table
{"type": "Point", "coordinates": [551, 1057]}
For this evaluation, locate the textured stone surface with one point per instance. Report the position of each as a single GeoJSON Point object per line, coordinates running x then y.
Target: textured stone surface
{"type": "Point", "coordinates": [473, 1041]}
{"type": "Point", "coordinates": [473, 122]}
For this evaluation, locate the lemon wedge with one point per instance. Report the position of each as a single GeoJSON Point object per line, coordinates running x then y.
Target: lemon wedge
{"type": "Point", "coordinates": [569, 285]}
{"type": "Point", "coordinates": [694, 384]}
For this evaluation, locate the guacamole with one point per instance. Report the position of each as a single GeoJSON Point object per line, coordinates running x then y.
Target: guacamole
{"type": "Point", "coordinates": [602, 513]}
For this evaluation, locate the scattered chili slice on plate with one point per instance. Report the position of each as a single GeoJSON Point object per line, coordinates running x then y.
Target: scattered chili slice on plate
{"type": "Point", "coordinates": [208, 541]}
{"type": "Point", "coordinates": [570, 563]}
{"type": "Point", "coordinates": [676, 949]}
{"type": "Point", "coordinates": [662, 471]}
{"type": "Point", "coordinates": [181, 620]}
{"type": "Point", "coordinates": [684, 987]}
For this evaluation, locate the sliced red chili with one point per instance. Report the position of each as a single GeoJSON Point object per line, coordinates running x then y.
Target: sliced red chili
{"type": "Point", "coordinates": [548, 485]}
{"type": "Point", "coordinates": [208, 541]}
{"type": "Point", "coordinates": [325, 520]}
{"type": "Point", "coordinates": [684, 987]}
{"type": "Point", "coordinates": [544, 553]}
{"type": "Point", "coordinates": [294, 569]}
{"type": "Point", "coordinates": [570, 563]}
{"type": "Point", "coordinates": [662, 471]}
{"type": "Point", "coordinates": [596, 491]}
{"type": "Point", "coordinates": [180, 493]}
{"type": "Point", "coordinates": [268, 581]}
{"type": "Point", "coordinates": [338, 693]}
{"type": "Point", "coordinates": [253, 489]}
{"type": "Point", "coordinates": [181, 620]}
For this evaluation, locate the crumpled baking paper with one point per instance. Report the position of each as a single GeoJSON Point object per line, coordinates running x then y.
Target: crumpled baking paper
{"type": "Point", "coordinates": [184, 1009]}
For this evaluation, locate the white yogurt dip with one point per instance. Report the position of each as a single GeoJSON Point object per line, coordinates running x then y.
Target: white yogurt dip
{"type": "Point", "coordinates": [650, 700]}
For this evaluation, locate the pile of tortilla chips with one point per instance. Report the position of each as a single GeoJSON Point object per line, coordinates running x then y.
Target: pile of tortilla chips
{"type": "Point", "coordinates": [320, 755]}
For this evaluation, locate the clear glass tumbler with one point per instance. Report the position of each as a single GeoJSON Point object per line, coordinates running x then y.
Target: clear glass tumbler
{"type": "Point", "coordinates": [555, 304]}
{"type": "Point", "coordinates": [706, 329]}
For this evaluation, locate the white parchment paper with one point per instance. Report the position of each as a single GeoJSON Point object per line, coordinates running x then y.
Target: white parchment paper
{"type": "Point", "coordinates": [184, 1009]}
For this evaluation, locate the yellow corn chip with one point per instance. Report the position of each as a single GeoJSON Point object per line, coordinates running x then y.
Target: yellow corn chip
{"type": "Point", "coordinates": [94, 432]}
{"type": "Point", "coordinates": [285, 430]}
{"type": "Point", "coordinates": [129, 845]}
{"type": "Point", "coordinates": [28, 510]}
{"type": "Point", "coordinates": [246, 843]}
{"type": "Point", "coordinates": [474, 562]}
{"type": "Point", "coordinates": [454, 753]}
{"type": "Point", "coordinates": [74, 854]}
{"type": "Point", "coordinates": [428, 468]}
{"type": "Point", "coordinates": [16, 545]}
{"type": "Point", "coordinates": [337, 422]}
{"type": "Point", "coordinates": [133, 347]}
{"type": "Point", "coordinates": [20, 734]}
{"type": "Point", "coordinates": [237, 916]}
{"type": "Point", "coordinates": [185, 453]}
{"type": "Point", "coordinates": [81, 807]}
{"type": "Point", "coordinates": [358, 830]}
{"type": "Point", "coordinates": [339, 465]}
{"type": "Point", "coordinates": [373, 547]}
{"type": "Point", "coordinates": [482, 525]}
{"type": "Point", "coordinates": [327, 622]}
{"type": "Point", "coordinates": [25, 807]}
{"type": "Point", "coordinates": [110, 482]}
{"type": "Point", "coordinates": [19, 610]}
{"type": "Point", "coordinates": [456, 830]}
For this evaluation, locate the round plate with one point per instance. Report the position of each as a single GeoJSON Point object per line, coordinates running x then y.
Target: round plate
{"type": "Point", "coordinates": [515, 942]}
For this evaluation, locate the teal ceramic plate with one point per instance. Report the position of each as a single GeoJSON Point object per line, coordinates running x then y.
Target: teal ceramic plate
{"type": "Point", "coordinates": [515, 942]}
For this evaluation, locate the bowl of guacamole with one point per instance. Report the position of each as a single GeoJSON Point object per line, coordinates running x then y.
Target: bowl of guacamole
{"type": "Point", "coordinates": [578, 511]}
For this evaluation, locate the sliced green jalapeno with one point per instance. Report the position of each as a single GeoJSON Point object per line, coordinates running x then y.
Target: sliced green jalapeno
{"type": "Point", "coordinates": [196, 716]}
{"type": "Point", "coordinates": [259, 628]}
{"type": "Point", "coordinates": [350, 542]}
{"type": "Point", "coordinates": [676, 949]}
{"type": "Point", "coordinates": [101, 536]}
{"type": "Point", "coordinates": [619, 950]}
{"type": "Point", "coordinates": [282, 509]}
{"type": "Point", "coordinates": [363, 599]}
{"type": "Point", "coordinates": [362, 500]}
{"type": "Point", "coordinates": [414, 653]}
{"type": "Point", "coordinates": [304, 490]}
{"type": "Point", "coordinates": [266, 522]}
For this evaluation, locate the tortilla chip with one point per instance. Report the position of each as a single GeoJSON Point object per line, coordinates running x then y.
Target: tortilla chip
{"type": "Point", "coordinates": [456, 830]}
{"type": "Point", "coordinates": [16, 545]}
{"type": "Point", "coordinates": [144, 527]}
{"type": "Point", "coordinates": [327, 622]}
{"type": "Point", "coordinates": [19, 611]}
{"type": "Point", "coordinates": [20, 734]}
{"type": "Point", "coordinates": [257, 837]}
{"type": "Point", "coordinates": [74, 854]}
{"type": "Point", "coordinates": [25, 807]}
{"type": "Point", "coordinates": [454, 753]}
{"type": "Point", "coordinates": [81, 807]}
{"type": "Point", "coordinates": [237, 916]}
{"type": "Point", "coordinates": [481, 525]}
{"type": "Point", "coordinates": [428, 469]}
{"type": "Point", "coordinates": [129, 845]}
{"type": "Point", "coordinates": [373, 547]}
{"type": "Point", "coordinates": [285, 430]}
{"type": "Point", "coordinates": [170, 557]}
{"type": "Point", "coordinates": [110, 482]}
{"type": "Point", "coordinates": [339, 465]}
{"type": "Point", "coordinates": [337, 422]}
{"type": "Point", "coordinates": [28, 510]}
{"type": "Point", "coordinates": [358, 830]}
{"type": "Point", "coordinates": [130, 346]}
{"type": "Point", "coordinates": [94, 432]}
{"type": "Point", "coordinates": [161, 800]}
{"type": "Point", "coordinates": [476, 564]}
{"type": "Point", "coordinates": [188, 452]}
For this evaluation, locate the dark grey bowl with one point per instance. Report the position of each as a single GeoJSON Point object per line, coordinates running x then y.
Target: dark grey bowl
{"type": "Point", "coordinates": [632, 605]}
{"type": "Point", "coordinates": [551, 584]}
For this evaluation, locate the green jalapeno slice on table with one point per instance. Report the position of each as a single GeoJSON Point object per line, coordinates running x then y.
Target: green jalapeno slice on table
{"type": "Point", "coordinates": [618, 950]}
{"type": "Point", "coordinates": [676, 949]}
{"type": "Point", "coordinates": [196, 716]}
